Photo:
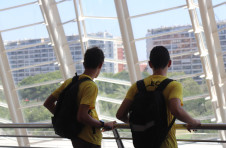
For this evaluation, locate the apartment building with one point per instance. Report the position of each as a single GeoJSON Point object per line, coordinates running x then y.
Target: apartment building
{"type": "Point", "coordinates": [39, 52]}
{"type": "Point", "coordinates": [184, 43]}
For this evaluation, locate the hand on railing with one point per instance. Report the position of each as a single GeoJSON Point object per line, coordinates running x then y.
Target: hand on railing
{"type": "Point", "coordinates": [109, 126]}
{"type": "Point", "coordinates": [193, 125]}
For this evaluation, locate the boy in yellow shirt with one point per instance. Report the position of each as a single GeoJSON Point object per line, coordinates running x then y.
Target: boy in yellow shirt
{"type": "Point", "coordinates": [88, 90]}
{"type": "Point", "coordinates": [160, 62]}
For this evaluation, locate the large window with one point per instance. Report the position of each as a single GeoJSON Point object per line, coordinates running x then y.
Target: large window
{"type": "Point", "coordinates": [36, 43]}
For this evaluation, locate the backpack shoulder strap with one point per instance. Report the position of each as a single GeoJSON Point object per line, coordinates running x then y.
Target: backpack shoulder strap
{"type": "Point", "coordinates": [83, 79]}
{"type": "Point", "coordinates": [76, 79]}
{"type": "Point", "coordinates": [141, 86]}
{"type": "Point", "coordinates": [163, 84]}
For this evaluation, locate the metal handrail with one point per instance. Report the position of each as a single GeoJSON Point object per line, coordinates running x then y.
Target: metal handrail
{"type": "Point", "coordinates": [206, 126]}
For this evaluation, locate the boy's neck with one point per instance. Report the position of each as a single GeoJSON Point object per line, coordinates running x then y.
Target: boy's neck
{"type": "Point", "coordinates": [91, 72]}
{"type": "Point", "coordinates": [162, 72]}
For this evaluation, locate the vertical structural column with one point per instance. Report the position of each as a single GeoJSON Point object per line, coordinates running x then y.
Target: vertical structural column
{"type": "Point", "coordinates": [79, 26]}
{"type": "Point", "coordinates": [11, 95]}
{"type": "Point", "coordinates": [57, 35]}
{"type": "Point", "coordinates": [128, 40]}
{"type": "Point", "coordinates": [202, 52]}
{"type": "Point", "coordinates": [215, 55]}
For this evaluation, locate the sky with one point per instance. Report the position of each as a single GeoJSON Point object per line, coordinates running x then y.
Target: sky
{"type": "Point", "coordinates": [105, 8]}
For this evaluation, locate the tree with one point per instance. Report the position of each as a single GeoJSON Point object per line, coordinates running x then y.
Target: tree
{"type": "Point", "coordinates": [42, 92]}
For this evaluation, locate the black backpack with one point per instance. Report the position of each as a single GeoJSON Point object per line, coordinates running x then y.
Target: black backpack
{"type": "Point", "coordinates": [148, 116]}
{"type": "Point", "coordinates": [64, 121]}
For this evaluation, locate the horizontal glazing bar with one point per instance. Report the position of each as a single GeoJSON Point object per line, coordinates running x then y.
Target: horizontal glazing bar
{"type": "Point", "coordinates": [24, 47]}
{"type": "Point", "coordinates": [113, 81]}
{"type": "Point", "coordinates": [159, 11]}
{"type": "Point", "coordinates": [38, 23]}
{"type": "Point", "coordinates": [31, 66]}
{"type": "Point", "coordinates": [13, 7]}
{"type": "Point", "coordinates": [219, 4]}
{"type": "Point", "coordinates": [99, 17]}
{"type": "Point", "coordinates": [39, 84]}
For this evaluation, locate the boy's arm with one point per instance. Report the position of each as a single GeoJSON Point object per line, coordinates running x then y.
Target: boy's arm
{"type": "Point", "coordinates": [177, 110]}
{"type": "Point", "coordinates": [85, 118]}
{"type": "Point", "coordinates": [122, 113]}
{"type": "Point", "coordinates": [50, 103]}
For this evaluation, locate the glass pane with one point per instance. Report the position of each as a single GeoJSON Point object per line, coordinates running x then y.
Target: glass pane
{"type": "Point", "coordinates": [29, 56]}
{"type": "Point", "coordinates": [128, 143]}
{"type": "Point", "coordinates": [173, 18]}
{"type": "Point", "coordinates": [146, 6]}
{"type": "Point", "coordinates": [222, 37]}
{"type": "Point", "coordinates": [224, 59]}
{"type": "Point", "coordinates": [199, 16]}
{"type": "Point", "coordinates": [32, 32]}
{"type": "Point", "coordinates": [107, 29]}
{"type": "Point", "coordinates": [34, 95]}
{"type": "Point", "coordinates": [99, 8]}
{"type": "Point", "coordinates": [20, 16]}
{"type": "Point", "coordinates": [219, 13]}
{"type": "Point", "coordinates": [4, 111]}
{"type": "Point", "coordinates": [79, 68]}
{"type": "Point", "coordinates": [142, 50]}
{"type": "Point", "coordinates": [7, 4]}
{"type": "Point", "coordinates": [35, 75]}
{"type": "Point", "coordinates": [71, 29]}
{"type": "Point", "coordinates": [66, 10]}
{"type": "Point", "coordinates": [109, 143]}
{"type": "Point", "coordinates": [214, 2]}
{"type": "Point", "coordinates": [37, 114]}
{"type": "Point", "coordinates": [40, 54]}
{"type": "Point", "coordinates": [196, 2]}
{"type": "Point", "coordinates": [221, 26]}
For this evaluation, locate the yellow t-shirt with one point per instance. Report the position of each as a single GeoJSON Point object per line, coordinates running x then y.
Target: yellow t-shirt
{"type": "Point", "coordinates": [87, 94]}
{"type": "Point", "coordinates": [173, 90]}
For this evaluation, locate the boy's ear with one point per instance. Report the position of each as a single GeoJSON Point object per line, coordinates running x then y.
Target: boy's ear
{"type": "Point", "coordinates": [150, 64]}
{"type": "Point", "coordinates": [100, 65]}
{"type": "Point", "coordinates": [169, 64]}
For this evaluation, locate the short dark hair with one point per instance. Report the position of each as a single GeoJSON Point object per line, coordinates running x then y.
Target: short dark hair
{"type": "Point", "coordinates": [159, 57]}
{"type": "Point", "coordinates": [93, 57]}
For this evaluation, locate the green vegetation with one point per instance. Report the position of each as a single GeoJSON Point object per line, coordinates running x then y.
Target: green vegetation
{"type": "Point", "coordinates": [4, 113]}
{"type": "Point", "coordinates": [39, 93]}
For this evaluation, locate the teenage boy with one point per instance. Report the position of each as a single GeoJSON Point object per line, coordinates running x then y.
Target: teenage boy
{"type": "Point", "coordinates": [90, 136]}
{"type": "Point", "coordinates": [160, 62]}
